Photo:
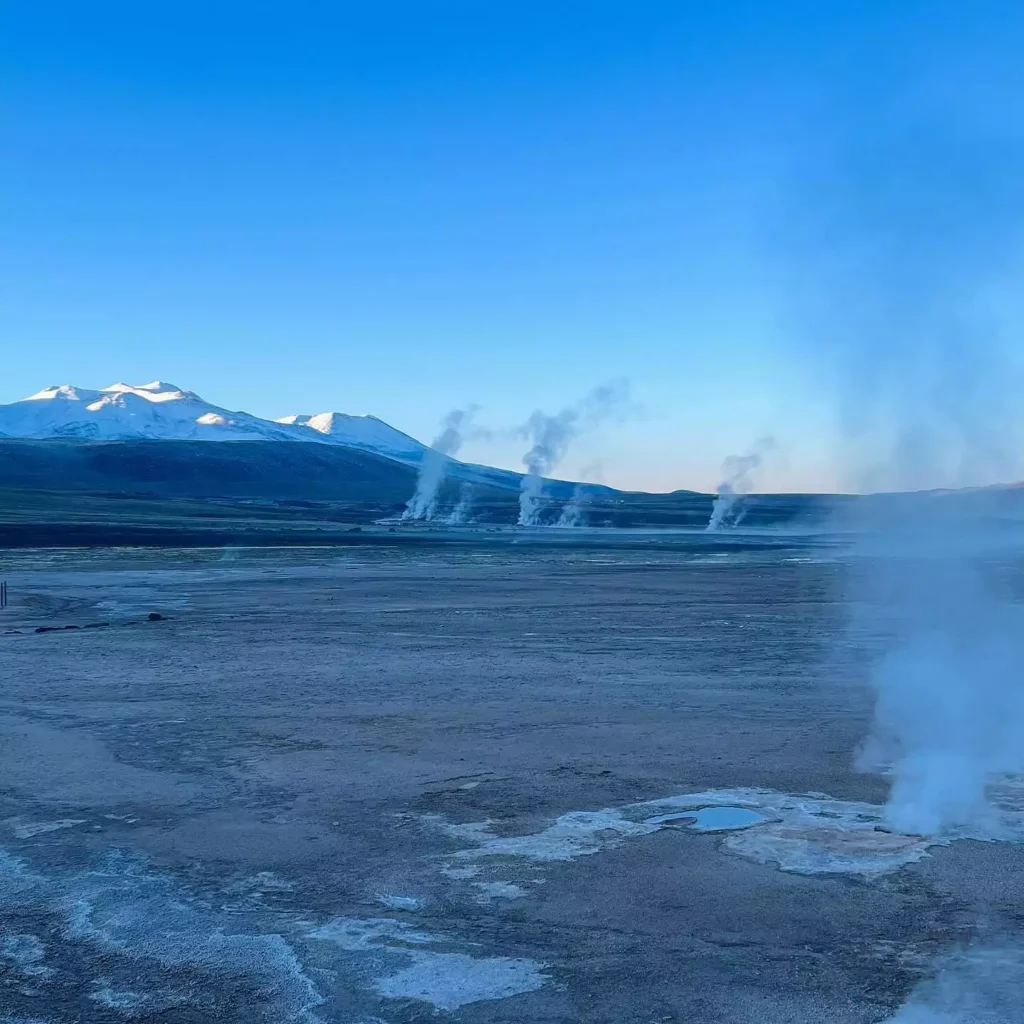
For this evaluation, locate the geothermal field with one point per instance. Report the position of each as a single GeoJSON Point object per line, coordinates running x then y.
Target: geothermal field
{"type": "Point", "coordinates": [527, 776]}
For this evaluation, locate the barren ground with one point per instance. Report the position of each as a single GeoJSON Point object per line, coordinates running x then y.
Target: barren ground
{"type": "Point", "coordinates": [249, 811]}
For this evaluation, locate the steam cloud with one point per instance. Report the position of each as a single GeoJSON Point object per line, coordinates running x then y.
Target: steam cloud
{"type": "Point", "coordinates": [551, 436]}
{"type": "Point", "coordinates": [454, 430]}
{"type": "Point", "coordinates": [979, 985]}
{"type": "Point", "coordinates": [738, 471]}
{"type": "Point", "coordinates": [949, 714]}
{"type": "Point", "coordinates": [918, 245]}
{"type": "Point", "coordinates": [572, 511]}
{"type": "Point", "coordinates": [905, 245]}
{"type": "Point", "coordinates": [460, 514]}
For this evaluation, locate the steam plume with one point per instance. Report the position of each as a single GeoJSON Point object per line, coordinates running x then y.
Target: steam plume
{"type": "Point", "coordinates": [460, 514]}
{"type": "Point", "coordinates": [949, 714]}
{"type": "Point", "coordinates": [572, 511]}
{"type": "Point", "coordinates": [454, 427]}
{"type": "Point", "coordinates": [919, 242]}
{"type": "Point", "coordinates": [738, 471]}
{"type": "Point", "coordinates": [551, 436]}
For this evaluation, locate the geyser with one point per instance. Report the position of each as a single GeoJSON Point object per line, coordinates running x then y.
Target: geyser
{"type": "Point", "coordinates": [905, 249]}
{"type": "Point", "coordinates": [949, 713]}
{"type": "Point", "coordinates": [551, 435]}
{"type": "Point", "coordinates": [461, 513]}
{"type": "Point", "coordinates": [454, 428]}
{"type": "Point", "coordinates": [737, 471]}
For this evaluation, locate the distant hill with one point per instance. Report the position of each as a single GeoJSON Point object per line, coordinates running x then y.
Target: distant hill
{"type": "Point", "coordinates": [238, 469]}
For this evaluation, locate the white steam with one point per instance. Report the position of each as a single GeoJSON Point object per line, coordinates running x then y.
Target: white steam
{"type": "Point", "coordinates": [912, 239]}
{"type": "Point", "coordinates": [979, 985]}
{"type": "Point", "coordinates": [461, 513]}
{"type": "Point", "coordinates": [551, 436]}
{"type": "Point", "coordinates": [949, 714]}
{"type": "Point", "coordinates": [905, 244]}
{"type": "Point", "coordinates": [454, 429]}
{"type": "Point", "coordinates": [738, 472]}
{"type": "Point", "coordinates": [573, 509]}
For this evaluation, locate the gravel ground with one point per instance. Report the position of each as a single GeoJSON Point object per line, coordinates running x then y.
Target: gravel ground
{"type": "Point", "coordinates": [379, 786]}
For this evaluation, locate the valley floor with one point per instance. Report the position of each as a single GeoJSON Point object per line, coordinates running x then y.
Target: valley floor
{"type": "Point", "coordinates": [479, 785]}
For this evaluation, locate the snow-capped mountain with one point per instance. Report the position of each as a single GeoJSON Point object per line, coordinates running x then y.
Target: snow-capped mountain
{"type": "Point", "coordinates": [130, 412]}
{"type": "Point", "coordinates": [360, 432]}
{"type": "Point", "coordinates": [162, 411]}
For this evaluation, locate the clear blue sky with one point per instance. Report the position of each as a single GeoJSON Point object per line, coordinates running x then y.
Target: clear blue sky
{"type": "Point", "coordinates": [402, 207]}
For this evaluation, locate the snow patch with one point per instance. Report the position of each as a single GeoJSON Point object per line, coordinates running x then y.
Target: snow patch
{"type": "Point", "coordinates": [450, 980]}
{"type": "Point", "coordinates": [26, 953]}
{"type": "Point", "coordinates": [119, 905]}
{"type": "Point", "coordinates": [130, 1002]}
{"type": "Point", "coordinates": [359, 432]}
{"type": "Point", "coordinates": [396, 902]}
{"type": "Point", "coordinates": [491, 891]}
{"type": "Point", "coordinates": [445, 980]}
{"type": "Point", "coordinates": [38, 828]}
{"type": "Point", "coordinates": [462, 873]}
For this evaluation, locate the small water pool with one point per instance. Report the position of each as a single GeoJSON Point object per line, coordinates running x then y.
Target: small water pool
{"type": "Point", "coordinates": [714, 819]}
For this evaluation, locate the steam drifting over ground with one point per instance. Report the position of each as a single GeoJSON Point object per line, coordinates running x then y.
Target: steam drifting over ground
{"type": "Point", "coordinates": [949, 718]}
{"type": "Point", "coordinates": [903, 250]}
{"type": "Point", "coordinates": [896, 305]}
{"type": "Point", "coordinates": [950, 684]}
{"type": "Point", "coordinates": [980, 985]}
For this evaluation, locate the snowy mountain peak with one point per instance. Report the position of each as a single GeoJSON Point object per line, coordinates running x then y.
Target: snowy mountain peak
{"type": "Point", "coordinates": [326, 422]}
{"type": "Point", "coordinates": [162, 411]}
{"type": "Point", "coordinates": [361, 431]}
{"type": "Point", "coordinates": [298, 421]}
{"type": "Point", "coordinates": [121, 412]}
{"type": "Point", "coordinates": [63, 392]}
{"type": "Point", "coordinates": [154, 391]}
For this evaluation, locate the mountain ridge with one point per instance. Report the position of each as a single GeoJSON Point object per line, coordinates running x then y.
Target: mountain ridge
{"type": "Point", "coordinates": [162, 411]}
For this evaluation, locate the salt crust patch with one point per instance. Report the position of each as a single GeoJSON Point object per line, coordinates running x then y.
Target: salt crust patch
{"type": "Point", "coordinates": [808, 834]}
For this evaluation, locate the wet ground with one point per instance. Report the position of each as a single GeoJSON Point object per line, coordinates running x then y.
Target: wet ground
{"type": "Point", "coordinates": [480, 785]}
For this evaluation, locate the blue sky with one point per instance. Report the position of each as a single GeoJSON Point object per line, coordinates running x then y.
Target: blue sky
{"type": "Point", "coordinates": [400, 208]}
